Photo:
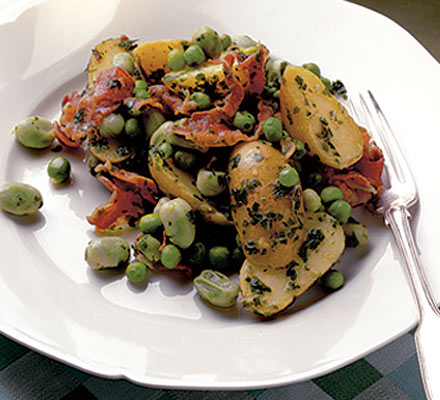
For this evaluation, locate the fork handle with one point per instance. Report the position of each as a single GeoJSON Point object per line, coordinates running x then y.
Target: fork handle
{"type": "Point", "coordinates": [428, 331]}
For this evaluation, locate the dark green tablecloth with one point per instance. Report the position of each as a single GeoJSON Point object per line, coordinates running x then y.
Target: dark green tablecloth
{"type": "Point", "coordinates": [389, 373]}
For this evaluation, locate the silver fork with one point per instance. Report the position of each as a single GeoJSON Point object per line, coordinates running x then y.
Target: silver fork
{"type": "Point", "coordinates": [396, 200]}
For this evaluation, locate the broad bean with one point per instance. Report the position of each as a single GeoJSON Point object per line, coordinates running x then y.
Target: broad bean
{"type": "Point", "coordinates": [20, 198]}
{"type": "Point", "coordinates": [216, 288]}
{"type": "Point", "coordinates": [107, 252]}
{"type": "Point", "coordinates": [178, 220]}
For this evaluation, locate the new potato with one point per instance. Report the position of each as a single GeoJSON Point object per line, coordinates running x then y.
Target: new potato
{"type": "Point", "coordinates": [269, 218]}
{"type": "Point", "coordinates": [152, 57]}
{"type": "Point", "coordinates": [267, 291]}
{"type": "Point", "coordinates": [102, 56]}
{"type": "Point", "coordinates": [314, 116]}
{"type": "Point", "coordinates": [175, 182]}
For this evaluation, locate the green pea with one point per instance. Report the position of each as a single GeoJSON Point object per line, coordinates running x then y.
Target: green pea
{"type": "Point", "coordinates": [150, 223]}
{"type": "Point", "coordinates": [112, 125]}
{"type": "Point", "coordinates": [244, 121]}
{"type": "Point", "coordinates": [34, 132]}
{"type": "Point", "coordinates": [198, 252]}
{"type": "Point", "coordinates": [107, 252]}
{"type": "Point", "coordinates": [300, 150]}
{"type": "Point", "coordinates": [341, 210]}
{"type": "Point", "coordinates": [312, 67]}
{"type": "Point", "coordinates": [141, 93]}
{"type": "Point", "coordinates": [137, 272]}
{"type": "Point", "coordinates": [211, 183]}
{"type": "Point", "coordinates": [327, 83]}
{"type": "Point", "coordinates": [331, 193]}
{"type": "Point", "coordinates": [140, 84]}
{"type": "Point", "coordinates": [219, 257]}
{"type": "Point", "coordinates": [124, 61]}
{"type": "Point", "coordinates": [312, 200]}
{"type": "Point", "coordinates": [356, 234]}
{"type": "Point", "coordinates": [178, 220]}
{"type": "Point", "coordinates": [176, 59]}
{"type": "Point", "coordinates": [273, 129]}
{"type": "Point", "coordinates": [288, 176]}
{"type": "Point", "coordinates": [20, 198]}
{"type": "Point", "coordinates": [216, 288]}
{"type": "Point", "coordinates": [201, 99]}
{"type": "Point", "coordinates": [170, 256]}
{"type": "Point", "coordinates": [332, 280]}
{"type": "Point", "coordinates": [314, 180]}
{"type": "Point", "coordinates": [166, 150]}
{"type": "Point", "coordinates": [194, 55]}
{"type": "Point", "coordinates": [59, 169]}
{"type": "Point", "coordinates": [185, 160]}
{"type": "Point", "coordinates": [208, 40]}
{"type": "Point", "coordinates": [132, 128]}
{"type": "Point", "coordinates": [148, 246]}
{"type": "Point", "coordinates": [237, 257]}
{"type": "Point", "coordinates": [226, 41]}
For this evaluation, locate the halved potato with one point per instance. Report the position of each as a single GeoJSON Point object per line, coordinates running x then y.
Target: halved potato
{"type": "Point", "coordinates": [269, 217]}
{"type": "Point", "coordinates": [177, 183]}
{"type": "Point", "coordinates": [205, 78]}
{"type": "Point", "coordinates": [114, 150]}
{"type": "Point", "coordinates": [103, 53]}
{"type": "Point", "coordinates": [264, 291]}
{"type": "Point", "coordinates": [152, 57]}
{"type": "Point", "coordinates": [267, 291]}
{"type": "Point", "coordinates": [314, 116]}
{"type": "Point", "coordinates": [209, 78]}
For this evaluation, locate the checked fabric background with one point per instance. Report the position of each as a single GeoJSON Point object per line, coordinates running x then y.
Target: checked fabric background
{"type": "Point", "coordinates": [390, 373]}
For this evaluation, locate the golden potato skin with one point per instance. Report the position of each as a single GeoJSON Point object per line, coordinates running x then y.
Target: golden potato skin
{"type": "Point", "coordinates": [268, 217]}
{"type": "Point", "coordinates": [267, 291]}
{"type": "Point", "coordinates": [197, 79]}
{"type": "Point", "coordinates": [311, 114]}
{"type": "Point", "coordinates": [206, 76]}
{"type": "Point", "coordinates": [177, 183]}
{"type": "Point", "coordinates": [152, 57]}
{"type": "Point", "coordinates": [115, 150]}
{"type": "Point", "coordinates": [102, 56]}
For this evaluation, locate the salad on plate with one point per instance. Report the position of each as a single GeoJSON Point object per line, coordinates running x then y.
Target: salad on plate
{"type": "Point", "coordinates": [227, 161]}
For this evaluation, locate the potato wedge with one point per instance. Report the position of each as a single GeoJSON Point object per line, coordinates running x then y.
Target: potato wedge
{"type": "Point", "coordinates": [103, 53]}
{"type": "Point", "coordinates": [267, 291]}
{"type": "Point", "coordinates": [175, 182]}
{"type": "Point", "coordinates": [269, 218]}
{"type": "Point", "coordinates": [111, 149]}
{"type": "Point", "coordinates": [208, 78]}
{"type": "Point", "coordinates": [314, 116]}
{"type": "Point", "coordinates": [152, 57]}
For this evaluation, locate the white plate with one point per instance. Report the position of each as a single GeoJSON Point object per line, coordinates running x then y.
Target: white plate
{"type": "Point", "coordinates": [164, 336]}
